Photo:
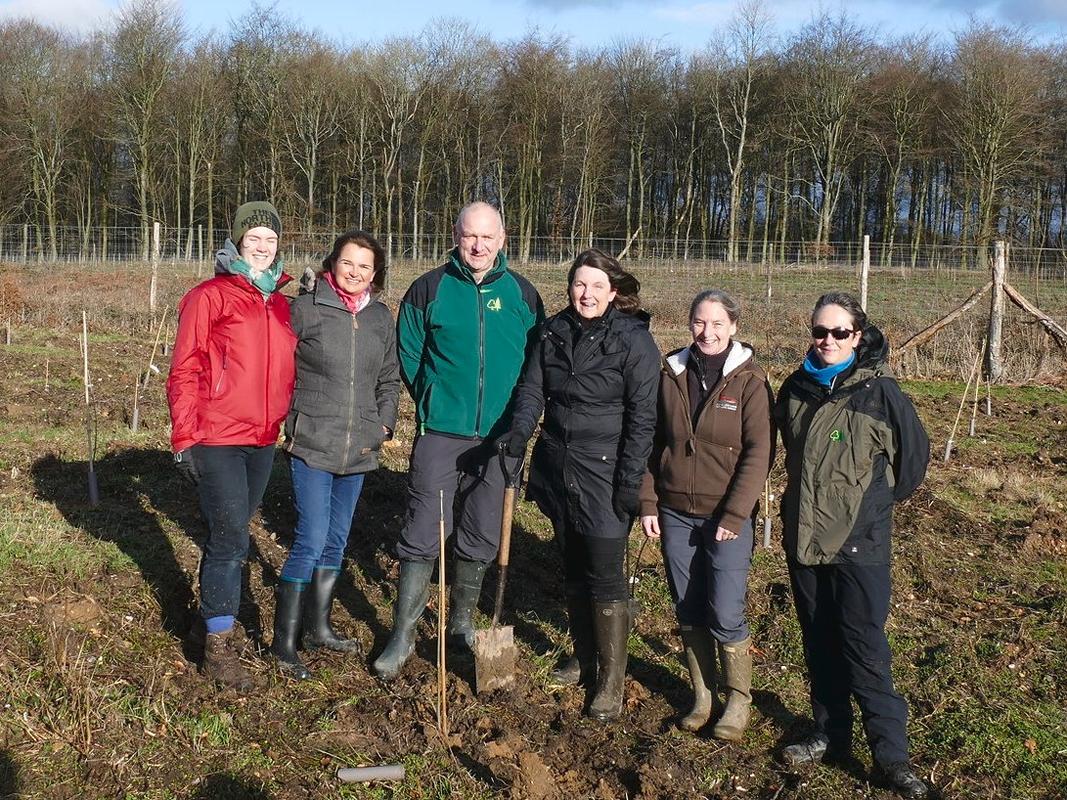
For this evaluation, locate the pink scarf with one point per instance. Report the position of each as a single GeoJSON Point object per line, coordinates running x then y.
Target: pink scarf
{"type": "Point", "coordinates": [353, 302]}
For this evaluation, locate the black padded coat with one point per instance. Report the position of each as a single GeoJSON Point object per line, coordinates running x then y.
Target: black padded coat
{"type": "Point", "coordinates": [597, 387]}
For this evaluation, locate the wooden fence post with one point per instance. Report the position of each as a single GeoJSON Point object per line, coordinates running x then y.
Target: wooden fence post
{"type": "Point", "coordinates": [155, 270]}
{"type": "Point", "coordinates": [199, 250]}
{"type": "Point", "coordinates": [865, 270]}
{"type": "Point", "coordinates": [994, 363]}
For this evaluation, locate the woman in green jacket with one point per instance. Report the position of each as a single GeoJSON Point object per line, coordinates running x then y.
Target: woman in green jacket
{"type": "Point", "coordinates": [854, 446]}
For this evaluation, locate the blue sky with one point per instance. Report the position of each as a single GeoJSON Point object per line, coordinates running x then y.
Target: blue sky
{"type": "Point", "coordinates": [686, 24]}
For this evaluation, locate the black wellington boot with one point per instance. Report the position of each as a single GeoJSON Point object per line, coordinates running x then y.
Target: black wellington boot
{"type": "Point", "coordinates": [611, 624]}
{"type": "Point", "coordinates": [317, 629]}
{"type": "Point", "coordinates": [413, 590]}
{"type": "Point", "coordinates": [580, 667]}
{"type": "Point", "coordinates": [466, 589]}
{"type": "Point", "coordinates": [288, 599]}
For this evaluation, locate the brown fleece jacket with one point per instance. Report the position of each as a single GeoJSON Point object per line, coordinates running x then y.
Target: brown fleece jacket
{"type": "Point", "coordinates": [718, 466]}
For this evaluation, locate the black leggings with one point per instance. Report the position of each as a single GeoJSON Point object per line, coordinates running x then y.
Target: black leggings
{"type": "Point", "coordinates": [594, 562]}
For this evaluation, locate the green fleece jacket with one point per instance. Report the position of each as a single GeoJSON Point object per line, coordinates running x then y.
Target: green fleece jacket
{"type": "Point", "coordinates": [462, 344]}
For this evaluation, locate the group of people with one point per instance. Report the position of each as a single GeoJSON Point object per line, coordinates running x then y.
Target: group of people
{"type": "Point", "coordinates": [682, 442]}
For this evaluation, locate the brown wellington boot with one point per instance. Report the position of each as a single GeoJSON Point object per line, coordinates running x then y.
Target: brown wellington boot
{"type": "Point", "coordinates": [700, 656]}
{"type": "Point", "coordinates": [222, 664]}
{"type": "Point", "coordinates": [736, 660]}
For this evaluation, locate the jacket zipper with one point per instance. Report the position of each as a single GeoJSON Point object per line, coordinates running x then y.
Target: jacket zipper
{"type": "Point", "coordinates": [222, 370]}
{"type": "Point", "coordinates": [266, 383]}
{"type": "Point", "coordinates": [351, 393]}
{"type": "Point", "coordinates": [481, 360]}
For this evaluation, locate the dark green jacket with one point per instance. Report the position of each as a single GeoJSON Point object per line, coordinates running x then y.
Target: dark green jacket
{"type": "Point", "coordinates": [347, 382]}
{"type": "Point", "coordinates": [462, 345]}
{"type": "Point", "coordinates": [852, 450]}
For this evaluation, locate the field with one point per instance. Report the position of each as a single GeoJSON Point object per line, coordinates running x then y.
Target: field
{"type": "Point", "coordinates": [97, 671]}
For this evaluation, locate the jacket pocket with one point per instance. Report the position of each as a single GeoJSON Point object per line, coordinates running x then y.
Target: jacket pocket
{"type": "Point", "coordinates": [373, 435]}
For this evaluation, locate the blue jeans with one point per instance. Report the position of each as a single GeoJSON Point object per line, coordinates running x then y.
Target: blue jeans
{"type": "Point", "coordinates": [708, 579]}
{"type": "Point", "coordinates": [325, 504]}
{"type": "Point", "coordinates": [232, 482]}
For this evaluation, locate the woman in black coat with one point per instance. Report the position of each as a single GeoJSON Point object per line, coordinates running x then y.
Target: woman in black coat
{"type": "Point", "coordinates": [344, 407]}
{"type": "Point", "coordinates": [595, 374]}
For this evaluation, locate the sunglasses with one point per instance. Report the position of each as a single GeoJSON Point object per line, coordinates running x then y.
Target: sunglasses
{"type": "Point", "coordinates": [821, 332]}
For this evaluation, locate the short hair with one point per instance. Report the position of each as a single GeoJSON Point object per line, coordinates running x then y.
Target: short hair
{"type": "Point", "coordinates": [720, 296]}
{"type": "Point", "coordinates": [471, 207]}
{"type": "Point", "coordinates": [847, 302]}
{"type": "Point", "coordinates": [626, 286]}
{"type": "Point", "coordinates": [360, 239]}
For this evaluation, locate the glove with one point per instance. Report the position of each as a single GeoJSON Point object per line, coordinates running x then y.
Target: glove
{"type": "Point", "coordinates": [512, 444]}
{"type": "Point", "coordinates": [626, 502]}
{"type": "Point", "coordinates": [183, 462]}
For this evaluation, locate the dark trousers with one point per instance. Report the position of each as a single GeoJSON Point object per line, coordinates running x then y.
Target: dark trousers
{"type": "Point", "coordinates": [468, 472]}
{"type": "Point", "coordinates": [593, 565]}
{"type": "Point", "coordinates": [232, 482]}
{"type": "Point", "coordinates": [842, 610]}
{"type": "Point", "coordinates": [325, 504]}
{"type": "Point", "coordinates": [708, 579]}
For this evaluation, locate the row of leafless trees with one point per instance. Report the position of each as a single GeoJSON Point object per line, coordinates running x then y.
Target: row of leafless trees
{"type": "Point", "coordinates": [822, 137]}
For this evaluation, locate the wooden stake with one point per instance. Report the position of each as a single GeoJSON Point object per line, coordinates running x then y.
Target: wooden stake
{"type": "Point", "coordinates": [994, 363]}
{"type": "Point", "coordinates": [865, 269]}
{"type": "Point", "coordinates": [94, 489]}
{"type": "Point", "coordinates": [8, 338]}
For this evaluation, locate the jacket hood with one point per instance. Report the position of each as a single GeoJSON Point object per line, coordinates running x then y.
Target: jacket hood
{"type": "Point", "coordinates": [740, 354]}
{"type": "Point", "coordinates": [873, 349]}
{"type": "Point", "coordinates": [226, 257]}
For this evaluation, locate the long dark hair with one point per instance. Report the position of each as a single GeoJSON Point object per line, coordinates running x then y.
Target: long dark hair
{"type": "Point", "coordinates": [626, 286]}
{"type": "Point", "coordinates": [360, 239]}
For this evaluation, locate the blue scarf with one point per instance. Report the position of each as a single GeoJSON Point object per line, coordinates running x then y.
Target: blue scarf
{"type": "Point", "coordinates": [826, 375]}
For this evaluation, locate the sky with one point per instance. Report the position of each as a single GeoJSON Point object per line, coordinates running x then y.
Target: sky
{"type": "Point", "coordinates": [682, 24]}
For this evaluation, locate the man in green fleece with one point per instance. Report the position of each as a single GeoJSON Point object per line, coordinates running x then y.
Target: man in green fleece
{"type": "Point", "coordinates": [463, 331]}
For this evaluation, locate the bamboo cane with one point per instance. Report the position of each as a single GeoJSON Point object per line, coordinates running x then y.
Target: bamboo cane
{"type": "Point", "coordinates": [963, 402]}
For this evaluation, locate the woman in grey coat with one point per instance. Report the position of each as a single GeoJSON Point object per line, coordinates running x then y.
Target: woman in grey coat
{"type": "Point", "coordinates": [344, 407]}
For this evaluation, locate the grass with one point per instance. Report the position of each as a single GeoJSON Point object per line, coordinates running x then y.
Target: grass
{"type": "Point", "coordinates": [103, 700]}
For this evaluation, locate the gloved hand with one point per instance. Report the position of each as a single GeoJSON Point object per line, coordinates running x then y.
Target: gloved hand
{"type": "Point", "coordinates": [186, 466]}
{"type": "Point", "coordinates": [626, 501]}
{"type": "Point", "coordinates": [512, 444]}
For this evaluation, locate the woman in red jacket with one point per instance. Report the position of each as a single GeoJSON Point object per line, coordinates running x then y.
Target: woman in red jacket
{"type": "Point", "coordinates": [229, 389]}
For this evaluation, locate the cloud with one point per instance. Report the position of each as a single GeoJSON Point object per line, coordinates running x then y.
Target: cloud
{"type": "Point", "coordinates": [1035, 13]}
{"type": "Point", "coordinates": [78, 16]}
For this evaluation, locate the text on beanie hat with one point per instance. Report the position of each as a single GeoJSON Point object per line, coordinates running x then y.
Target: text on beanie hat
{"type": "Point", "coordinates": [257, 214]}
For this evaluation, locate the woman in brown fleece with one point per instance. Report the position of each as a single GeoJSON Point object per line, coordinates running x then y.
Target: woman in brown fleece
{"type": "Point", "coordinates": [713, 446]}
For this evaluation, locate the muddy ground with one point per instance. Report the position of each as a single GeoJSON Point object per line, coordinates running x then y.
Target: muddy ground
{"type": "Point", "coordinates": [102, 698]}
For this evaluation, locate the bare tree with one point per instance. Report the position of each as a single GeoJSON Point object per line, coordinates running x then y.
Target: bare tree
{"type": "Point", "coordinates": [994, 116]}
{"type": "Point", "coordinates": [829, 60]}
{"type": "Point", "coordinates": [143, 53]}
{"type": "Point", "coordinates": [41, 91]}
{"type": "Point", "coordinates": [738, 58]}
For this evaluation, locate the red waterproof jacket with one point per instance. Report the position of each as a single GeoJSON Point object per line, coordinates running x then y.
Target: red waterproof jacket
{"type": "Point", "coordinates": [231, 378]}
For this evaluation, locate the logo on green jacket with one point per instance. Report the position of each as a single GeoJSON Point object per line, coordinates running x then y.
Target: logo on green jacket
{"type": "Point", "coordinates": [837, 435]}
{"type": "Point", "coordinates": [494, 304]}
